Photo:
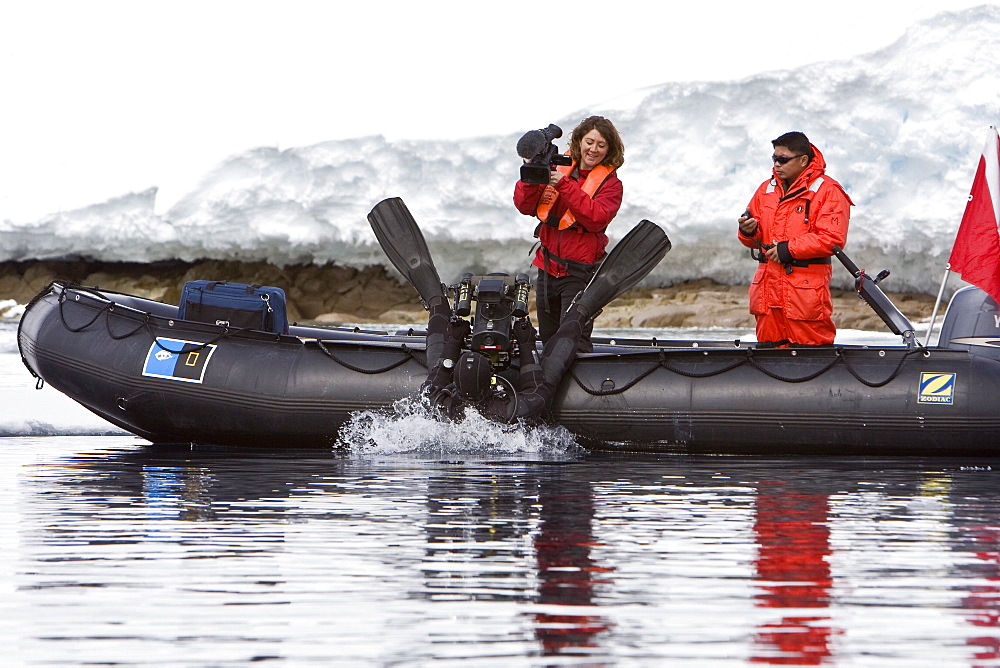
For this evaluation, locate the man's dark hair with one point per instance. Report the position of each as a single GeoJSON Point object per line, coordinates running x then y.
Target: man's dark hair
{"type": "Point", "coordinates": [796, 142]}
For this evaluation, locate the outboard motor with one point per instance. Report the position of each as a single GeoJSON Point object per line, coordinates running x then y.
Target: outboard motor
{"type": "Point", "coordinates": [972, 323]}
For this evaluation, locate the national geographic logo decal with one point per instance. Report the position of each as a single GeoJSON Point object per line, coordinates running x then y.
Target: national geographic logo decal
{"type": "Point", "coordinates": [936, 388]}
{"type": "Point", "coordinates": [174, 359]}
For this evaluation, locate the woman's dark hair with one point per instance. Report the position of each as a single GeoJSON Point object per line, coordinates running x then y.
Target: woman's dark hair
{"type": "Point", "coordinates": [796, 142]}
{"type": "Point", "coordinates": [616, 149]}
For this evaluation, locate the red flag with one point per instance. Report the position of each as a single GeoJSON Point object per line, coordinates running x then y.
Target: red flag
{"type": "Point", "coordinates": [976, 253]}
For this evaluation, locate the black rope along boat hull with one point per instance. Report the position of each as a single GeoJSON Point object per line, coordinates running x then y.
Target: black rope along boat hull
{"type": "Point", "coordinates": [135, 363]}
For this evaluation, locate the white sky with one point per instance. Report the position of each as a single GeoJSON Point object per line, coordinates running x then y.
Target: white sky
{"type": "Point", "coordinates": [99, 98]}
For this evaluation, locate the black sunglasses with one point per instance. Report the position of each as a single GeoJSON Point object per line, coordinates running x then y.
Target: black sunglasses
{"type": "Point", "coordinates": [781, 160]}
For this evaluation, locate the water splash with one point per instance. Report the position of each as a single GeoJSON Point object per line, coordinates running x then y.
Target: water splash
{"type": "Point", "coordinates": [412, 427]}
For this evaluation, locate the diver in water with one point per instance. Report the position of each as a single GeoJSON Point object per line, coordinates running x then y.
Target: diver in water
{"type": "Point", "coordinates": [456, 378]}
{"type": "Point", "coordinates": [465, 378]}
{"type": "Point", "coordinates": [460, 378]}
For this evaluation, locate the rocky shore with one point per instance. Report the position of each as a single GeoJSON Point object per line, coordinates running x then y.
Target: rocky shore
{"type": "Point", "coordinates": [332, 294]}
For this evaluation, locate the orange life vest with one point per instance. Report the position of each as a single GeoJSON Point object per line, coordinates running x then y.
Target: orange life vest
{"type": "Point", "coordinates": [597, 176]}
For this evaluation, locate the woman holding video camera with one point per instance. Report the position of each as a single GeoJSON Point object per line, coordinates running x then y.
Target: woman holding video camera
{"type": "Point", "coordinates": [574, 209]}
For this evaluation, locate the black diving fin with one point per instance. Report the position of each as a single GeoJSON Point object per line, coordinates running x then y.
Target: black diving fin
{"type": "Point", "coordinates": [403, 242]}
{"type": "Point", "coordinates": [629, 262]}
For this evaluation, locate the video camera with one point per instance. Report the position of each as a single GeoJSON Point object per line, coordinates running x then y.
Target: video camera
{"type": "Point", "coordinates": [499, 300]}
{"type": "Point", "coordinates": [537, 148]}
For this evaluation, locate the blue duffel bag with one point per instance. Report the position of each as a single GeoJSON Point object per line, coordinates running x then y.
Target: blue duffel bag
{"type": "Point", "coordinates": [236, 305]}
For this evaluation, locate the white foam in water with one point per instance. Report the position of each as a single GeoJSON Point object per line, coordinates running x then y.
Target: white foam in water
{"type": "Point", "coordinates": [412, 427]}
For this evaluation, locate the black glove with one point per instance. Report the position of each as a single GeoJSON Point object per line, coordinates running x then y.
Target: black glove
{"type": "Point", "coordinates": [460, 329]}
{"type": "Point", "coordinates": [525, 334]}
{"type": "Point", "coordinates": [457, 331]}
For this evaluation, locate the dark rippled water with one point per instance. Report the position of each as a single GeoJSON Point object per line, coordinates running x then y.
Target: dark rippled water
{"type": "Point", "coordinates": [118, 553]}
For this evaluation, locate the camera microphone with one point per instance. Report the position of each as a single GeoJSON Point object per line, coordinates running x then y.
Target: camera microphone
{"type": "Point", "coordinates": [535, 141]}
{"type": "Point", "coordinates": [531, 144]}
{"type": "Point", "coordinates": [540, 154]}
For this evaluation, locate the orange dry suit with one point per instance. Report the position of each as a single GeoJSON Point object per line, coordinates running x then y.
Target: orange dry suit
{"type": "Point", "coordinates": [791, 299]}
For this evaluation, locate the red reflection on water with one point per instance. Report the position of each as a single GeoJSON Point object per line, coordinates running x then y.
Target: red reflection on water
{"type": "Point", "coordinates": [566, 570]}
{"type": "Point", "coordinates": [793, 540]}
{"type": "Point", "coordinates": [982, 605]}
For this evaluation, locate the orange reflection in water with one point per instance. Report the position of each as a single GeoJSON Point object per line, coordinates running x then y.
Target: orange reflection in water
{"type": "Point", "coordinates": [982, 605]}
{"type": "Point", "coordinates": [567, 573]}
{"type": "Point", "coordinates": [793, 539]}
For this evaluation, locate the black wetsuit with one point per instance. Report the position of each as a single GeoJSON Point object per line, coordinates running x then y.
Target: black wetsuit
{"type": "Point", "coordinates": [537, 381]}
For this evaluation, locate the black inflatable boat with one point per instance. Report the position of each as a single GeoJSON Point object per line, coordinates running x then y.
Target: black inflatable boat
{"type": "Point", "coordinates": [140, 366]}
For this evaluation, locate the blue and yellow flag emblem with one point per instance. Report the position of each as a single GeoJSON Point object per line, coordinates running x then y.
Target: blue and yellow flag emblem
{"type": "Point", "coordinates": [175, 359]}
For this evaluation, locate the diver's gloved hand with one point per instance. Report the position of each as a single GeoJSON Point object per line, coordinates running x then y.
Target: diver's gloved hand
{"type": "Point", "coordinates": [524, 333]}
{"type": "Point", "coordinates": [439, 377]}
{"type": "Point", "coordinates": [449, 405]}
{"type": "Point", "coordinates": [428, 390]}
{"type": "Point", "coordinates": [458, 329]}
{"type": "Point", "coordinates": [444, 400]}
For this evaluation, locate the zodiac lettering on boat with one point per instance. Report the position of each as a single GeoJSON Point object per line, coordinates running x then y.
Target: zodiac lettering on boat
{"type": "Point", "coordinates": [936, 388]}
{"type": "Point", "coordinates": [175, 359]}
